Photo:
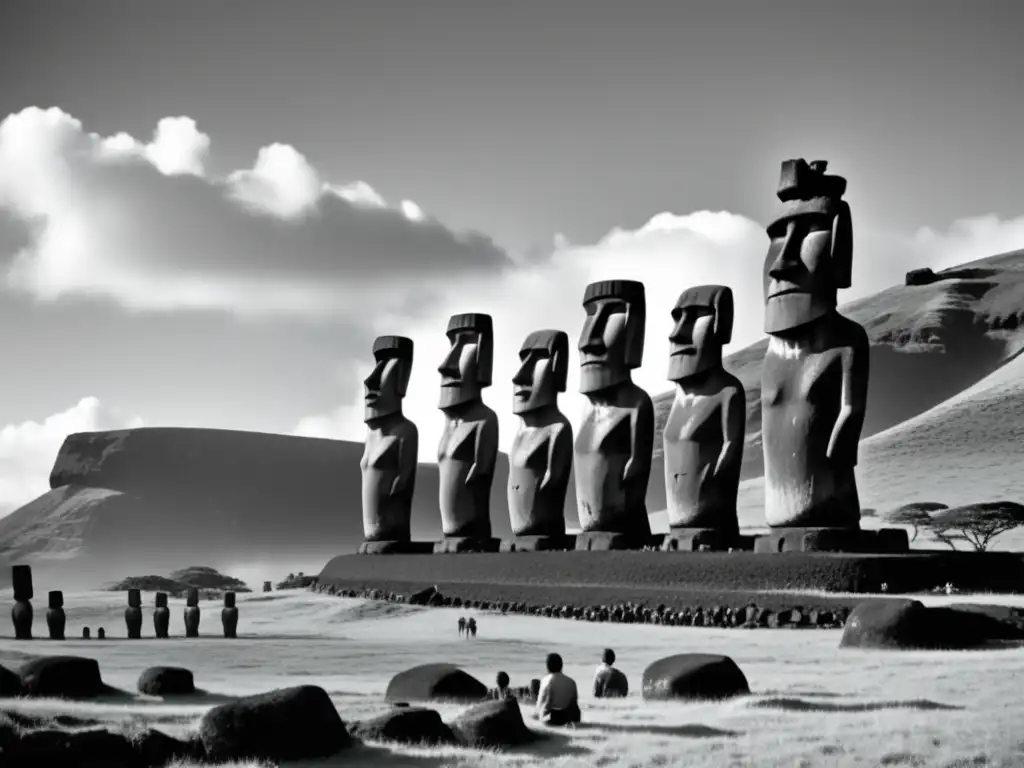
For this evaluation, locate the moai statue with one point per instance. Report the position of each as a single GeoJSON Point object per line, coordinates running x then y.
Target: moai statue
{"type": "Point", "coordinates": [85, 633]}
{"type": "Point", "coordinates": [101, 634]}
{"type": "Point", "coordinates": [56, 619]}
{"type": "Point", "coordinates": [21, 613]}
{"type": "Point", "coordinates": [541, 457]}
{"type": "Point", "coordinates": [815, 375]}
{"type": "Point", "coordinates": [161, 616]}
{"type": "Point", "coordinates": [703, 437]}
{"type": "Point", "coordinates": [267, 586]}
{"type": "Point", "coordinates": [614, 447]}
{"type": "Point", "coordinates": [390, 455]}
{"type": "Point", "coordinates": [192, 613]}
{"type": "Point", "coordinates": [133, 614]}
{"type": "Point", "coordinates": [469, 444]}
{"type": "Point", "coordinates": [229, 615]}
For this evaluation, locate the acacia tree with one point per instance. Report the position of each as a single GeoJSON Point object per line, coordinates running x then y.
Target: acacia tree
{"type": "Point", "coordinates": [915, 515]}
{"type": "Point", "coordinates": [976, 524]}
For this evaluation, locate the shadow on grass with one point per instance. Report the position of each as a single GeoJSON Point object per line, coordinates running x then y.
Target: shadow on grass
{"type": "Point", "coordinates": [787, 704]}
{"type": "Point", "coordinates": [690, 730]}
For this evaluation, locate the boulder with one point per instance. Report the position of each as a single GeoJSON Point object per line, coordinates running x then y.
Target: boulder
{"type": "Point", "coordinates": [62, 677]}
{"type": "Point", "coordinates": [406, 725]}
{"type": "Point", "coordinates": [492, 724]}
{"type": "Point", "coordinates": [10, 683]}
{"type": "Point", "coordinates": [694, 676]}
{"type": "Point", "coordinates": [298, 723]}
{"type": "Point", "coordinates": [166, 681]}
{"type": "Point", "coordinates": [93, 747]}
{"type": "Point", "coordinates": [896, 624]}
{"type": "Point", "coordinates": [435, 682]}
{"type": "Point", "coordinates": [156, 748]}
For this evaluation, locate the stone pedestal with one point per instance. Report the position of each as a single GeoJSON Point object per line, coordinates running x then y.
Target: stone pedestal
{"type": "Point", "coordinates": [886, 541]}
{"type": "Point", "coordinates": [396, 548]}
{"type": "Point", "coordinates": [539, 543]}
{"type": "Point", "coordinates": [705, 539]}
{"type": "Point", "coordinates": [603, 540]}
{"type": "Point", "coordinates": [462, 544]}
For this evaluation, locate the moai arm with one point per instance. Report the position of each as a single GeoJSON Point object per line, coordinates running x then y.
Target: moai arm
{"type": "Point", "coordinates": [486, 451]}
{"type": "Point", "coordinates": [559, 457]}
{"type": "Point", "coordinates": [408, 455]}
{"type": "Point", "coordinates": [641, 435]}
{"type": "Point", "coordinates": [842, 445]}
{"type": "Point", "coordinates": [734, 427]}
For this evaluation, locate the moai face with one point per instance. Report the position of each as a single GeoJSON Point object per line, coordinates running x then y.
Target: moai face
{"type": "Point", "coordinates": [612, 340]}
{"type": "Point", "coordinates": [544, 365]}
{"type": "Point", "coordinates": [389, 381]}
{"type": "Point", "coordinates": [702, 326]}
{"type": "Point", "coordinates": [466, 369]}
{"type": "Point", "coordinates": [810, 256]}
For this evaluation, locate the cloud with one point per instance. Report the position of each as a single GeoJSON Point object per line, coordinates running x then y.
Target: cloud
{"type": "Point", "coordinates": [28, 449]}
{"type": "Point", "coordinates": [145, 225]}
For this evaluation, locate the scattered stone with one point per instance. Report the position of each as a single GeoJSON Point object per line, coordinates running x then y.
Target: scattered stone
{"type": "Point", "coordinates": [435, 682]}
{"type": "Point", "coordinates": [93, 747]}
{"type": "Point", "coordinates": [693, 676]}
{"type": "Point", "coordinates": [406, 725]}
{"type": "Point", "coordinates": [297, 723]}
{"type": "Point", "coordinates": [166, 681]}
{"type": "Point", "coordinates": [72, 677]}
{"type": "Point", "coordinates": [897, 624]}
{"type": "Point", "coordinates": [492, 724]}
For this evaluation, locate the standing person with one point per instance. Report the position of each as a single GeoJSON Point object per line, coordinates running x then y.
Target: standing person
{"type": "Point", "coordinates": [558, 699]}
{"type": "Point", "coordinates": [609, 682]}
{"type": "Point", "coordinates": [462, 625]}
{"type": "Point", "coordinates": [471, 626]}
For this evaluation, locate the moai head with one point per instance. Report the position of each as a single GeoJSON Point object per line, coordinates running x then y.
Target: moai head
{"type": "Point", "coordinates": [810, 256]}
{"type": "Point", "coordinates": [612, 339]}
{"type": "Point", "coordinates": [544, 367]}
{"type": "Point", "coordinates": [21, 580]}
{"type": "Point", "coordinates": [466, 369]}
{"type": "Point", "coordinates": [702, 320]}
{"type": "Point", "coordinates": [192, 599]}
{"type": "Point", "coordinates": [387, 384]}
{"type": "Point", "coordinates": [134, 598]}
{"type": "Point", "coordinates": [56, 599]}
{"type": "Point", "coordinates": [229, 599]}
{"type": "Point", "coordinates": [161, 599]}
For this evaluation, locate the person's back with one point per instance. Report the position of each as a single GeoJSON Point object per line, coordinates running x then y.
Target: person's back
{"type": "Point", "coordinates": [609, 682]}
{"type": "Point", "coordinates": [558, 698]}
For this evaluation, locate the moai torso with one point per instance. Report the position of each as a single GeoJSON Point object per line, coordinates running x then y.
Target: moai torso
{"type": "Point", "coordinates": [612, 461]}
{"type": "Point", "coordinates": [802, 395]}
{"type": "Point", "coordinates": [389, 479]}
{"type": "Point", "coordinates": [465, 460]}
{"type": "Point", "coordinates": [539, 465]}
{"type": "Point", "coordinates": [703, 451]}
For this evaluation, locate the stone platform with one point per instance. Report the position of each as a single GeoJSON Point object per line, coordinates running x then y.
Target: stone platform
{"type": "Point", "coordinates": [396, 547]}
{"type": "Point", "coordinates": [457, 545]}
{"type": "Point", "coordinates": [705, 539]}
{"type": "Point", "coordinates": [600, 541]}
{"type": "Point", "coordinates": [885, 541]}
{"type": "Point", "coordinates": [539, 543]}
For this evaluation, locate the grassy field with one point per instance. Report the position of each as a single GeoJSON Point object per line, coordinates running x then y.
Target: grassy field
{"type": "Point", "coordinates": [812, 704]}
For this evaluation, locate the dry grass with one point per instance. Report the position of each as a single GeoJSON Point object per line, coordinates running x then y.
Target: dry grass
{"type": "Point", "coordinates": [813, 705]}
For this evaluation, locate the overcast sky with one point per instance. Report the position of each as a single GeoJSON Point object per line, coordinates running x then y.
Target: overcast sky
{"type": "Point", "coordinates": [208, 210]}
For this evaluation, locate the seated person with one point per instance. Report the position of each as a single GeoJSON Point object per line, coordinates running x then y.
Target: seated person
{"type": "Point", "coordinates": [558, 699]}
{"type": "Point", "coordinates": [503, 691]}
{"type": "Point", "coordinates": [609, 682]}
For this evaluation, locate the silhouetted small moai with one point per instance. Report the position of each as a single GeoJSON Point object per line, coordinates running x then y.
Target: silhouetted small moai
{"type": "Point", "coordinates": [133, 614]}
{"type": "Point", "coordinates": [540, 460]}
{"type": "Point", "coordinates": [161, 616]}
{"type": "Point", "coordinates": [101, 634]}
{"type": "Point", "coordinates": [192, 613]}
{"type": "Point", "coordinates": [704, 433]}
{"type": "Point", "coordinates": [267, 586]}
{"type": "Point", "coordinates": [468, 449]}
{"type": "Point", "coordinates": [229, 615]}
{"type": "Point", "coordinates": [85, 633]}
{"type": "Point", "coordinates": [21, 613]}
{"type": "Point", "coordinates": [56, 620]}
{"type": "Point", "coordinates": [614, 447]}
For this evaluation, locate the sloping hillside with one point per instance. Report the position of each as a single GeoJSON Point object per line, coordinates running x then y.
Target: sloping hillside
{"type": "Point", "coordinates": [145, 500]}
{"type": "Point", "coordinates": [929, 343]}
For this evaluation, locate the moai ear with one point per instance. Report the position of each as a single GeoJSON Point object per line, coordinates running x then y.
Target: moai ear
{"type": "Point", "coordinates": [842, 247]}
{"type": "Point", "coordinates": [404, 372]}
{"type": "Point", "coordinates": [725, 312]}
{"type": "Point", "coordinates": [560, 360]}
{"type": "Point", "coordinates": [636, 322]}
{"type": "Point", "coordinates": [484, 358]}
